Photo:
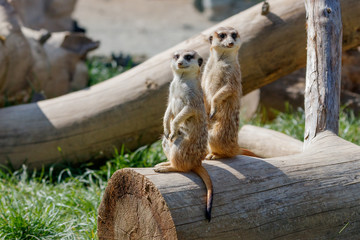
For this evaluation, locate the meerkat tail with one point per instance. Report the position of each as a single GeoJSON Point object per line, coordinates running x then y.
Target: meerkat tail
{"type": "Point", "coordinates": [246, 152]}
{"type": "Point", "coordinates": [204, 175]}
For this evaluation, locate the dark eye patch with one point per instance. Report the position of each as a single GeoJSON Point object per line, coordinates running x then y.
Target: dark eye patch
{"type": "Point", "coordinates": [222, 35]}
{"type": "Point", "coordinates": [176, 56]}
{"type": "Point", "coordinates": [234, 36]}
{"type": "Point", "coordinates": [188, 57]}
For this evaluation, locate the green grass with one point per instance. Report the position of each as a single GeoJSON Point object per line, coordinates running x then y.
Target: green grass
{"type": "Point", "coordinates": [35, 208]}
{"type": "Point", "coordinates": [62, 205]}
{"type": "Point", "coordinates": [292, 123]}
{"type": "Point", "coordinates": [103, 68]}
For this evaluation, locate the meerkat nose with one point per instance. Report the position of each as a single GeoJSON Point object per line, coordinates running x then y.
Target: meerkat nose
{"type": "Point", "coordinates": [231, 44]}
{"type": "Point", "coordinates": [180, 63]}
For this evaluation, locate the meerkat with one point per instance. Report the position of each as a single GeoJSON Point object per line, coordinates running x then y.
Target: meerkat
{"type": "Point", "coordinates": [185, 122]}
{"type": "Point", "coordinates": [221, 84]}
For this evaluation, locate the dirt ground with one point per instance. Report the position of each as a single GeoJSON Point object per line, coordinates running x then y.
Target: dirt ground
{"type": "Point", "coordinates": [139, 26]}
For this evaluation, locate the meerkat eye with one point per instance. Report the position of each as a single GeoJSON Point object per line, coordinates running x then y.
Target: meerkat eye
{"type": "Point", "coordinates": [188, 57]}
{"type": "Point", "coordinates": [222, 35]}
{"type": "Point", "coordinates": [234, 35]}
{"type": "Point", "coordinates": [176, 56]}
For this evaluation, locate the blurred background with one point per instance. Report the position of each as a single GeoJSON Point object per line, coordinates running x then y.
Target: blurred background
{"type": "Point", "coordinates": [89, 41]}
{"type": "Point", "coordinates": [150, 26]}
{"type": "Point", "coordinates": [67, 45]}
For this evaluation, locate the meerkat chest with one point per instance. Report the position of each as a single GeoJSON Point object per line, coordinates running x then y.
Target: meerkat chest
{"type": "Point", "coordinates": [217, 77]}
{"type": "Point", "coordinates": [180, 97]}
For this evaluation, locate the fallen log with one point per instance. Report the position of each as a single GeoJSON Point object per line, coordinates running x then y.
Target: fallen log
{"type": "Point", "coordinates": [312, 195]}
{"type": "Point", "coordinates": [128, 108]}
{"type": "Point", "coordinates": [267, 143]}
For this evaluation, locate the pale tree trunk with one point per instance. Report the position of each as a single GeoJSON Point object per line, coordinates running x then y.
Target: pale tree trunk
{"type": "Point", "coordinates": [323, 69]}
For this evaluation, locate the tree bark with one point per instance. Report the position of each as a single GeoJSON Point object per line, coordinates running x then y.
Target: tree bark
{"type": "Point", "coordinates": [323, 69]}
{"type": "Point", "coordinates": [312, 195]}
{"type": "Point", "coordinates": [128, 108]}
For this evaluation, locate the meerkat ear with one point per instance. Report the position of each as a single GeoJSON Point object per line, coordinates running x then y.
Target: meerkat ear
{"type": "Point", "coordinates": [210, 39]}
{"type": "Point", "coordinates": [200, 61]}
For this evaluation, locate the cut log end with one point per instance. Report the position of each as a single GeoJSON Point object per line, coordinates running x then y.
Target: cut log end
{"type": "Point", "coordinates": [133, 208]}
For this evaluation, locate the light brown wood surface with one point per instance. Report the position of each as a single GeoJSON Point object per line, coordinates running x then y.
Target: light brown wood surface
{"type": "Point", "coordinates": [311, 195]}
{"type": "Point", "coordinates": [128, 109]}
{"type": "Point", "coordinates": [267, 143]}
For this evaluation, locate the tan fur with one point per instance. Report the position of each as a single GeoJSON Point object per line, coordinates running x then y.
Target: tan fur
{"type": "Point", "coordinates": [185, 122]}
{"type": "Point", "coordinates": [221, 83]}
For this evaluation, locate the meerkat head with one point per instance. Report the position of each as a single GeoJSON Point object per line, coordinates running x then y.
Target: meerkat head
{"type": "Point", "coordinates": [186, 61]}
{"type": "Point", "coordinates": [225, 38]}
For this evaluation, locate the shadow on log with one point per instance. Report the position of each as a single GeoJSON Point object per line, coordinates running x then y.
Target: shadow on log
{"type": "Point", "coordinates": [128, 108]}
{"type": "Point", "coordinates": [311, 195]}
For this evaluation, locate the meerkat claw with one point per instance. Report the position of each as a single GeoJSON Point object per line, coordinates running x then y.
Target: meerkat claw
{"type": "Point", "coordinates": [162, 164]}
{"type": "Point", "coordinates": [209, 156]}
{"type": "Point", "coordinates": [212, 115]}
{"type": "Point", "coordinates": [161, 169]}
{"type": "Point", "coordinates": [172, 136]}
{"type": "Point", "coordinates": [156, 169]}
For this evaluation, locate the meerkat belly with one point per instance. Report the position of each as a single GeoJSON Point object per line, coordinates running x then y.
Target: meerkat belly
{"type": "Point", "coordinates": [215, 81]}
{"type": "Point", "coordinates": [226, 121]}
{"type": "Point", "coordinates": [192, 148]}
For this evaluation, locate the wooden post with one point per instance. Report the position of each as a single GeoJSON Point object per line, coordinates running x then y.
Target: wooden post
{"type": "Point", "coordinates": [323, 69]}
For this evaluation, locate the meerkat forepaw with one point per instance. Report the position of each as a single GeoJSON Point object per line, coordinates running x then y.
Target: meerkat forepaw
{"type": "Point", "coordinates": [208, 157]}
{"type": "Point", "coordinates": [212, 113]}
{"type": "Point", "coordinates": [211, 156]}
{"type": "Point", "coordinates": [161, 169]}
{"type": "Point", "coordinates": [172, 136]}
{"type": "Point", "coordinates": [162, 164]}
{"type": "Point", "coordinates": [166, 133]}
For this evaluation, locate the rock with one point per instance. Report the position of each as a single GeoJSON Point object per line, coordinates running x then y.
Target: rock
{"type": "Point", "coordinates": [53, 15]}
